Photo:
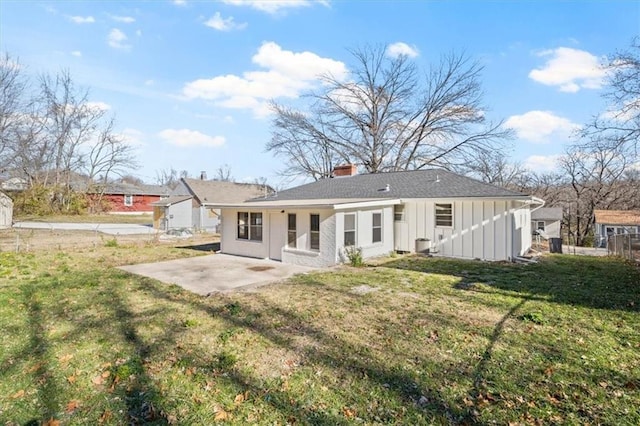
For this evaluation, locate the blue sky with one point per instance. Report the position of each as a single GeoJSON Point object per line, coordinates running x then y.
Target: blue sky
{"type": "Point", "coordinates": [189, 80]}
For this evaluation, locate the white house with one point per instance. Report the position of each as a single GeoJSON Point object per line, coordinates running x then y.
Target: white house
{"type": "Point", "coordinates": [379, 213]}
{"type": "Point", "coordinates": [547, 222]}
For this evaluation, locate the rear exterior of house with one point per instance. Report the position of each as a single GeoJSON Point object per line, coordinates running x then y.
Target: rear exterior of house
{"type": "Point", "coordinates": [312, 225]}
{"type": "Point", "coordinates": [127, 198]}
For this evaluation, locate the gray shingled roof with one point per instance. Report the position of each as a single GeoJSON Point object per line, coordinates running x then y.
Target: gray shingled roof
{"type": "Point", "coordinates": [224, 192]}
{"type": "Point", "coordinates": [410, 184]}
{"type": "Point", "coordinates": [547, 213]}
{"type": "Point", "coordinates": [165, 202]}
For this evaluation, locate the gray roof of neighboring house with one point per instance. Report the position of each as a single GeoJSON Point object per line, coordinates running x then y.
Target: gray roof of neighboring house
{"type": "Point", "coordinates": [409, 184]}
{"type": "Point", "coordinates": [165, 202]}
{"type": "Point", "coordinates": [131, 189]}
{"type": "Point", "coordinates": [224, 192]}
{"type": "Point", "coordinates": [547, 213]}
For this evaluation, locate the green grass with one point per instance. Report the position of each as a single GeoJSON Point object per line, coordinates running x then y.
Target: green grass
{"type": "Point", "coordinates": [439, 342]}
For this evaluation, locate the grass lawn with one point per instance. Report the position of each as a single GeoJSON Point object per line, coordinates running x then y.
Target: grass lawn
{"type": "Point", "coordinates": [407, 341]}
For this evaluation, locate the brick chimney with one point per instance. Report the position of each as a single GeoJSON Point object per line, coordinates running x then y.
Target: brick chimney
{"type": "Point", "coordinates": [345, 170]}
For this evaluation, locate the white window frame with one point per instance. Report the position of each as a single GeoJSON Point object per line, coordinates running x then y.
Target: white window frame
{"type": "Point", "coordinates": [128, 200]}
{"type": "Point", "coordinates": [350, 231]}
{"type": "Point", "coordinates": [436, 215]}
{"type": "Point", "coordinates": [250, 224]}
{"type": "Point", "coordinates": [398, 213]}
{"type": "Point", "coordinates": [538, 227]}
{"type": "Point", "coordinates": [312, 232]}
{"type": "Point", "coordinates": [292, 232]}
{"type": "Point", "coordinates": [374, 227]}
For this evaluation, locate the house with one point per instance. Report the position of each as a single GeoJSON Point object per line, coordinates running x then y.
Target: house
{"type": "Point", "coordinates": [546, 222]}
{"type": "Point", "coordinates": [128, 198]}
{"type": "Point", "coordinates": [6, 211]}
{"type": "Point", "coordinates": [379, 213]}
{"type": "Point", "coordinates": [611, 222]}
{"type": "Point", "coordinates": [185, 207]}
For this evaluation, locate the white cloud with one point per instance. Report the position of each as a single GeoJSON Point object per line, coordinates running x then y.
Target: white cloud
{"type": "Point", "coordinates": [286, 75]}
{"type": "Point", "coordinates": [123, 19]}
{"type": "Point", "coordinates": [188, 138]}
{"type": "Point", "coordinates": [402, 49]}
{"type": "Point", "coordinates": [139, 33]}
{"type": "Point", "coordinates": [98, 105]}
{"type": "Point", "coordinates": [217, 22]}
{"type": "Point", "coordinates": [82, 19]}
{"type": "Point", "coordinates": [274, 6]}
{"type": "Point", "coordinates": [541, 126]}
{"type": "Point", "coordinates": [133, 137]}
{"type": "Point", "coordinates": [117, 39]}
{"type": "Point", "coordinates": [76, 53]}
{"type": "Point", "coordinates": [180, 2]}
{"type": "Point", "coordinates": [542, 163]}
{"type": "Point", "coordinates": [149, 82]}
{"type": "Point", "coordinates": [570, 70]}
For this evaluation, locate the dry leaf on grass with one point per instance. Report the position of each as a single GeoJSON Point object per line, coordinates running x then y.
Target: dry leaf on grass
{"type": "Point", "coordinates": [72, 406]}
{"type": "Point", "coordinates": [65, 358]}
{"type": "Point", "coordinates": [18, 394]}
{"type": "Point", "coordinates": [51, 422]}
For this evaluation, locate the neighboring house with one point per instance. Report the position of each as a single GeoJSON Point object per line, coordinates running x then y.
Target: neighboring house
{"type": "Point", "coordinates": [379, 213]}
{"type": "Point", "coordinates": [186, 208]}
{"type": "Point", "coordinates": [611, 222]}
{"type": "Point", "coordinates": [6, 211]}
{"type": "Point", "coordinates": [546, 222]}
{"type": "Point", "coordinates": [128, 198]}
{"type": "Point", "coordinates": [14, 184]}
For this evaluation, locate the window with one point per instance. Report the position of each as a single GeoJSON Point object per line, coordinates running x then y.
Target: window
{"type": "Point", "coordinates": [292, 236]}
{"type": "Point", "coordinates": [398, 213]}
{"type": "Point", "coordinates": [349, 230]}
{"type": "Point", "coordinates": [128, 200]}
{"type": "Point", "coordinates": [444, 214]}
{"type": "Point", "coordinates": [377, 227]}
{"type": "Point", "coordinates": [540, 225]}
{"type": "Point", "coordinates": [314, 242]}
{"type": "Point", "coordinates": [243, 228]}
{"type": "Point", "coordinates": [255, 228]}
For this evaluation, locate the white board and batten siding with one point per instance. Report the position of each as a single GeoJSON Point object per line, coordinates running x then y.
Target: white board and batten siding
{"type": "Point", "coordinates": [482, 229]}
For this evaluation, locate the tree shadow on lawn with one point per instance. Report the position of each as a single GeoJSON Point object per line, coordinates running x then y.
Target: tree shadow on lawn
{"type": "Point", "coordinates": [349, 361]}
{"type": "Point", "coordinates": [591, 282]}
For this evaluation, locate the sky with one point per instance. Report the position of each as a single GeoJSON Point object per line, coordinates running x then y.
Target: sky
{"type": "Point", "coordinates": [189, 81]}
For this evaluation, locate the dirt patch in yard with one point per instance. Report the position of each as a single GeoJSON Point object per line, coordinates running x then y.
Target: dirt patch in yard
{"type": "Point", "coordinates": [260, 268]}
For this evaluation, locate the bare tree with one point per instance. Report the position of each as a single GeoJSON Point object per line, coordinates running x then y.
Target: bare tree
{"type": "Point", "coordinates": [494, 167]}
{"type": "Point", "coordinates": [594, 179]}
{"type": "Point", "coordinates": [385, 117]}
{"type": "Point", "coordinates": [223, 173]}
{"type": "Point", "coordinates": [12, 86]}
{"type": "Point", "coordinates": [167, 177]}
{"type": "Point", "coordinates": [620, 124]}
{"type": "Point", "coordinates": [109, 155]}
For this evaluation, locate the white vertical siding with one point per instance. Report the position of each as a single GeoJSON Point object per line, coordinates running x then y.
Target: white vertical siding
{"type": "Point", "coordinates": [483, 229]}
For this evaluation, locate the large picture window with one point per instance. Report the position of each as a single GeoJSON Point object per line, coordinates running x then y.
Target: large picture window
{"type": "Point", "coordinates": [314, 232]}
{"type": "Point", "coordinates": [250, 226]}
{"type": "Point", "coordinates": [349, 230]}
{"type": "Point", "coordinates": [377, 228]}
{"type": "Point", "coordinates": [444, 215]}
{"type": "Point", "coordinates": [292, 235]}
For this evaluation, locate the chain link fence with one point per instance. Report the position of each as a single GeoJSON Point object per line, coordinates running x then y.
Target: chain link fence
{"type": "Point", "coordinates": [624, 245]}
